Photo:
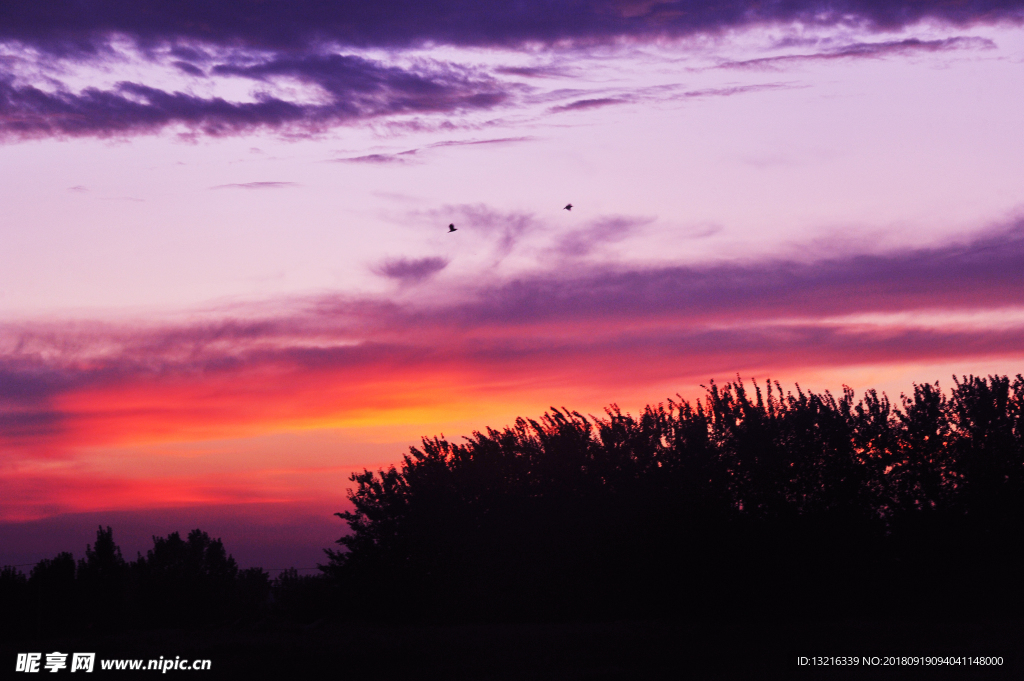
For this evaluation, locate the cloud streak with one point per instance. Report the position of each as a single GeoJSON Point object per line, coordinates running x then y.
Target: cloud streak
{"type": "Point", "coordinates": [352, 89]}
{"type": "Point", "coordinates": [256, 185]}
{"type": "Point", "coordinates": [351, 360]}
{"type": "Point", "coordinates": [404, 156]}
{"type": "Point", "coordinates": [582, 104]}
{"type": "Point", "coordinates": [867, 51]}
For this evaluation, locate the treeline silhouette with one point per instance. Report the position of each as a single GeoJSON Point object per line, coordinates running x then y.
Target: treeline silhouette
{"type": "Point", "coordinates": [179, 584]}
{"type": "Point", "coordinates": [758, 502]}
{"type": "Point", "coordinates": [746, 502]}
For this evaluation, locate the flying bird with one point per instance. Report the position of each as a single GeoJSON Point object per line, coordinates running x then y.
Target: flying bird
{"type": "Point", "coordinates": [568, 207]}
{"type": "Point", "coordinates": [451, 228]}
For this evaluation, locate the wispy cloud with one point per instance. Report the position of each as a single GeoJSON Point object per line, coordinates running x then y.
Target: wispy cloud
{"type": "Point", "coordinates": [344, 357]}
{"type": "Point", "coordinates": [533, 71]}
{"type": "Point", "coordinates": [731, 90]}
{"type": "Point", "coordinates": [190, 69]}
{"type": "Point", "coordinates": [353, 89]}
{"type": "Point", "coordinates": [401, 157]}
{"type": "Point", "coordinates": [475, 142]}
{"type": "Point", "coordinates": [590, 104]}
{"type": "Point", "coordinates": [405, 156]}
{"type": "Point", "coordinates": [603, 231]}
{"type": "Point", "coordinates": [256, 185]}
{"type": "Point", "coordinates": [306, 76]}
{"type": "Point", "coordinates": [867, 51]}
{"type": "Point", "coordinates": [503, 229]}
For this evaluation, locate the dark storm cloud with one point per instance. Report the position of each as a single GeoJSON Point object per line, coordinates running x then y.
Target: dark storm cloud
{"type": "Point", "coordinates": [67, 26]}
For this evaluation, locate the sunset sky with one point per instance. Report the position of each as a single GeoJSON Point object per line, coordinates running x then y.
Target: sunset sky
{"type": "Point", "coordinates": [226, 279]}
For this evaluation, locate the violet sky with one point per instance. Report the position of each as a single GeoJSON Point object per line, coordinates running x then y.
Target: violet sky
{"type": "Point", "coordinates": [226, 280]}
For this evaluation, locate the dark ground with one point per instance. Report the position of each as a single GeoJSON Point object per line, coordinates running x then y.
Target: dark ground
{"type": "Point", "coordinates": [562, 651]}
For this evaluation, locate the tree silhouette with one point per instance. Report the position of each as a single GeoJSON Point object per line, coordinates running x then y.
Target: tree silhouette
{"type": "Point", "coordinates": [52, 590]}
{"type": "Point", "coordinates": [103, 583]}
{"type": "Point", "coordinates": [751, 500]}
{"type": "Point", "coordinates": [745, 500]}
{"type": "Point", "coordinates": [184, 582]}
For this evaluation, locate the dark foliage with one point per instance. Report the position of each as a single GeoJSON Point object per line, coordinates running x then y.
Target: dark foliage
{"type": "Point", "coordinates": [52, 592]}
{"type": "Point", "coordinates": [764, 502]}
{"type": "Point", "coordinates": [14, 598]}
{"type": "Point", "coordinates": [104, 583]}
{"type": "Point", "coordinates": [185, 582]}
{"type": "Point", "coordinates": [746, 502]}
{"type": "Point", "coordinates": [180, 583]}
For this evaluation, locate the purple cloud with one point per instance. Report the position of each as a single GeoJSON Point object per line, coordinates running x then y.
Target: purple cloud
{"type": "Point", "coordinates": [376, 158]}
{"type": "Point", "coordinates": [531, 71]}
{"type": "Point", "coordinates": [986, 272]}
{"type": "Point", "coordinates": [608, 325]}
{"type": "Point", "coordinates": [267, 40]}
{"type": "Point", "coordinates": [870, 51]}
{"type": "Point", "coordinates": [22, 425]}
{"type": "Point", "coordinates": [412, 271]}
{"type": "Point", "coordinates": [401, 157]}
{"type": "Point", "coordinates": [498, 140]}
{"type": "Point", "coordinates": [606, 230]}
{"type": "Point", "coordinates": [505, 228]}
{"type": "Point", "coordinates": [188, 68]}
{"type": "Point", "coordinates": [357, 89]}
{"type": "Point", "coordinates": [68, 26]}
{"type": "Point", "coordinates": [589, 104]}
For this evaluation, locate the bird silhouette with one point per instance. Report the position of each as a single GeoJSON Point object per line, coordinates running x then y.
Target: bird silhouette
{"type": "Point", "coordinates": [451, 228]}
{"type": "Point", "coordinates": [568, 207]}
